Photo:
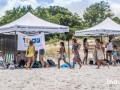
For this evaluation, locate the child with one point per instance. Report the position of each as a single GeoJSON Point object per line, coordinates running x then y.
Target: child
{"type": "Point", "coordinates": [2, 62]}
{"type": "Point", "coordinates": [75, 49]}
{"type": "Point", "coordinates": [30, 55]}
{"type": "Point", "coordinates": [18, 59]}
{"type": "Point", "coordinates": [115, 55]}
{"type": "Point", "coordinates": [62, 55]}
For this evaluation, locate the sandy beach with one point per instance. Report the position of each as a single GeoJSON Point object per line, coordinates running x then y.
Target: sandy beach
{"type": "Point", "coordinates": [86, 78]}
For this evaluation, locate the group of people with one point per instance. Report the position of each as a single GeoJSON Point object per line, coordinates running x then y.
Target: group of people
{"type": "Point", "coordinates": [101, 57]}
{"type": "Point", "coordinates": [98, 54]}
{"type": "Point", "coordinates": [28, 61]}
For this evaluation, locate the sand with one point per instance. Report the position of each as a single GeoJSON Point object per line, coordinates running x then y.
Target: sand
{"type": "Point", "coordinates": [86, 78]}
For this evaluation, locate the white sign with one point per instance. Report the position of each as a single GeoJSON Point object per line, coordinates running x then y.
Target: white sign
{"type": "Point", "coordinates": [23, 41]}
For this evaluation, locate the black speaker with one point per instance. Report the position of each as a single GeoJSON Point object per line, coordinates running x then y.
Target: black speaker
{"type": "Point", "coordinates": [66, 33]}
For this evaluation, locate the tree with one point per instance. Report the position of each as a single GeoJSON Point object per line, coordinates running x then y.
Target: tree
{"type": "Point", "coordinates": [96, 13]}
{"type": "Point", "coordinates": [15, 13]}
{"type": "Point", "coordinates": [54, 14]}
{"type": "Point", "coordinates": [117, 20]}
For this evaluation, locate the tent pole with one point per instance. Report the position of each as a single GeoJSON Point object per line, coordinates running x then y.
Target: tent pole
{"type": "Point", "coordinates": [68, 47]}
{"type": "Point", "coordinates": [15, 51]}
{"type": "Point", "coordinates": [101, 38]}
{"type": "Point", "coordinates": [5, 43]}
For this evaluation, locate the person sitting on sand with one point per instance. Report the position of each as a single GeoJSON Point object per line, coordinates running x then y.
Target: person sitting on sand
{"type": "Point", "coordinates": [62, 55]}
{"type": "Point", "coordinates": [75, 49]}
{"type": "Point", "coordinates": [115, 55]}
{"type": "Point", "coordinates": [30, 55]}
{"type": "Point", "coordinates": [18, 59]}
{"type": "Point", "coordinates": [99, 54]}
{"type": "Point", "coordinates": [85, 48]}
{"type": "Point", "coordinates": [2, 62]}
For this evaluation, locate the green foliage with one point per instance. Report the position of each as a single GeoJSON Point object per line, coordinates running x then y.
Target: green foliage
{"type": "Point", "coordinates": [54, 14]}
{"type": "Point", "coordinates": [93, 15]}
{"type": "Point", "coordinates": [117, 20]}
{"type": "Point", "coordinates": [96, 13]}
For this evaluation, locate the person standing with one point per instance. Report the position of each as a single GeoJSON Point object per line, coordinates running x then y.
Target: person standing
{"type": "Point", "coordinates": [30, 54]}
{"type": "Point", "coordinates": [85, 48]}
{"type": "Point", "coordinates": [99, 54]}
{"type": "Point", "coordinates": [109, 48]}
{"type": "Point", "coordinates": [41, 56]}
{"type": "Point", "coordinates": [75, 49]}
{"type": "Point", "coordinates": [115, 55]}
{"type": "Point", "coordinates": [62, 54]}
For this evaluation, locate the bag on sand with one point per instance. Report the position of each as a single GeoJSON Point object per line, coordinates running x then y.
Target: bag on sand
{"type": "Point", "coordinates": [37, 64]}
{"type": "Point", "coordinates": [11, 66]}
{"type": "Point", "coordinates": [51, 63]}
{"type": "Point", "coordinates": [91, 62]}
{"type": "Point", "coordinates": [118, 60]}
{"type": "Point", "coordinates": [2, 65]}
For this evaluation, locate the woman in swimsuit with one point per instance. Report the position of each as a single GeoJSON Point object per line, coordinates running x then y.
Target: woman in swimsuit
{"type": "Point", "coordinates": [62, 55]}
{"type": "Point", "coordinates": [85, 48]}
{"type": "Point", "coordinates": [75, 49]}
{"type": "Point", "coordinates": [115, 55]}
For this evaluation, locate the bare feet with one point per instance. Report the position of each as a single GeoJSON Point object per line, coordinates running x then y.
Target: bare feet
{"type": "Point", "coordinates": [80, 66]}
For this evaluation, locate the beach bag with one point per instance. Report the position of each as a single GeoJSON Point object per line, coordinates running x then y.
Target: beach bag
{"type": "Point", "coordinates": [118, 61]}
{"type": "Point", "coordinates": [44, 63]}
{"type": "Point", "coordinates": [110, 62]}
{"type": "Point", "coordinates": [37, 64]}
{"type": "Point", "coordinates": [1, 64]}
{"type": "Point", "coordinates": [22, 63]}
{"type": "Point", "coordinates": [11, 66]}
{"type": "Point", "coordinates": [91, 62]}
{"type": "Point", "coordinates": [51, 63]}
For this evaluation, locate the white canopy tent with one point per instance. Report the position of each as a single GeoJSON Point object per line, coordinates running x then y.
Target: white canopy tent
{"type": "Point", "coordinates": [107, 27]}
{"type": "Point", "coordinates": [29, 22]}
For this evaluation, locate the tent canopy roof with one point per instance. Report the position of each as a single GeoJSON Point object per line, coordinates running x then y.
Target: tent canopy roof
{"type": "Point", "coordinates": [106, 26]}
{"type": "Point", "coordinates": [29, 22]}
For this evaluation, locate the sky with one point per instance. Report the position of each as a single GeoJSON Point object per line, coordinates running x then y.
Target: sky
{"type": "Point", "coordinates": [75, 6]}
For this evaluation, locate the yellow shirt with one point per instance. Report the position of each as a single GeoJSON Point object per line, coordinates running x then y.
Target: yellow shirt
{"type": "Point", "coordinates": [31, 50]}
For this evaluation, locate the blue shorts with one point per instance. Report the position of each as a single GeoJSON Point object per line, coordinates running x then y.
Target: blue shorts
{"type": "Point", "coordinates": [114, 54]}
{"type": "Point", "coordinates": [42, 51]}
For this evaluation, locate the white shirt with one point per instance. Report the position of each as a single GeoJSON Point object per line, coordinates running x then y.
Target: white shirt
{"type": "Point", "coordinates": [110, 46]}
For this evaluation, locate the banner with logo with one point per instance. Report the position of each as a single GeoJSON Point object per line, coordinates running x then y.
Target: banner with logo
{"type": "Point", "coordinates": [23, 41]}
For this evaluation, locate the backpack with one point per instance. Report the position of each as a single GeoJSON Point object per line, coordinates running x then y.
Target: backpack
{"type": "Point", "coordinates": [37, 64]}
{"type": "Point", "coordinates": [91, 62]}
{"type": "Point", "coordinates": [51, 63]}
{"type": "Point", "coordinates": [44, 63]}
{"type": "Point", "coordinates": [118, 60]}
{"type": "Point", "coordinates": [22, 63]}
